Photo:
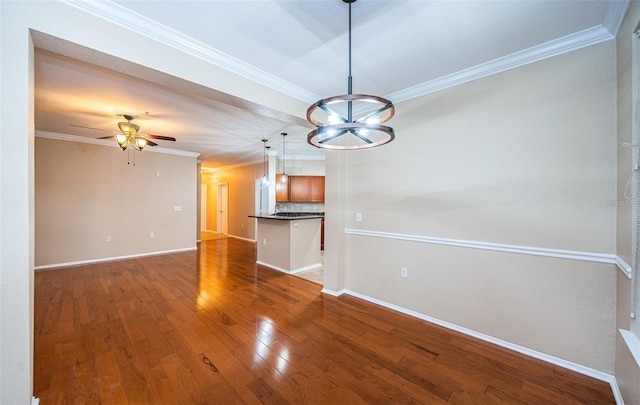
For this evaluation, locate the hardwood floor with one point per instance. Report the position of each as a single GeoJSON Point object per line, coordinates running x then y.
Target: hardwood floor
{"type": "Point", "coordinates": [212, 327]}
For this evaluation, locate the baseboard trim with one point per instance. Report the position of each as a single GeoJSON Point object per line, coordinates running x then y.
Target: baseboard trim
{"type": "Point", "coordinates": [241, 238]}
{"type": "Point", "coordinates": [608, 378]}
{"type": "Point", "coordinates": [294, 271]}
{"type": "Point", "coordinates": [607, 258]}
{"type": "Point", "coordinates": [332, 292]}
{"type": "Point", "coordinates": [111, 259]}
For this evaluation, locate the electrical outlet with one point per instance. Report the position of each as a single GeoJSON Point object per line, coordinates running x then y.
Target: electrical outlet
{"type": "Point", "coordinates": [264, 241]}
{"type": "Point", "coordinates": [404, 272]}
{"type": "Point", "coordinates": [108, 238]}
{"type": "Point", "coordinates": [152, 235]}
{"type": "Point", "coordinates": [358, 216]}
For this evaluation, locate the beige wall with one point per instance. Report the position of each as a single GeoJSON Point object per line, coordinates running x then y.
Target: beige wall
{"type": "Point", "coordinates": [525, 157]}
{"type": "Point", "coordinates": [241, 183]}
{"type": "Point", "coordinates": [289, 246]}
{"type": "Point", "coordinates": [627, 370]}
{"type": "Point", "coordinates": [86, 192]}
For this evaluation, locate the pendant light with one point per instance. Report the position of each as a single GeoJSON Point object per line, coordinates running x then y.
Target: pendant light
{"type": "Point", "coordinates": [265, 176]}
{"type": "Point", "coordinates": [350, 121]}
{"type": "Point", "coordinates": [284, 175]}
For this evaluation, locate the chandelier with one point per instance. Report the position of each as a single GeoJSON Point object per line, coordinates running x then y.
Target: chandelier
{"type": "Point", "coordinates": [350, 121]}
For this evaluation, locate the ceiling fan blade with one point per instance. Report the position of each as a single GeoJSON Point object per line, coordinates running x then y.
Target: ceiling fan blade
{"type": "Point", "coordinates": [107, 137]}
{"type": "Point", "coordinates": [160, 137]}
{"type": "Point", "coordinates": [151, 143]}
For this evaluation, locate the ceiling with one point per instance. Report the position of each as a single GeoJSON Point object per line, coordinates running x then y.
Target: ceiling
{"type": "Point", "coordinates": [401, 49]}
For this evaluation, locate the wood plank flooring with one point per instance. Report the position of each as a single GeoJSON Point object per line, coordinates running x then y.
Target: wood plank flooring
{"type": "Point", "coordinates": [212, 327]}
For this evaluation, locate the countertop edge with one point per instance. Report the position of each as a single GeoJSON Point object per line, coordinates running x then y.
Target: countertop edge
{"type": "Point", "coordinates": [283, 218]}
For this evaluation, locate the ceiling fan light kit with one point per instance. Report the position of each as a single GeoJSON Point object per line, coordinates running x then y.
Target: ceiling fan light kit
{"type": "Point", "coordinates": [350, 121]}
{"type": "Point", "coordinates": [128, 135]}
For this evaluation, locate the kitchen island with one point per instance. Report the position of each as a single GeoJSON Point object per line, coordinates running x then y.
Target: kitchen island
{"type": "Point", "coordinates": [289, 242]}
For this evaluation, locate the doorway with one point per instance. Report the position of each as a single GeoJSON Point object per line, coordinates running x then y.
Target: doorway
{"type": "Point", "coordinates": [223, 208]}
{"type": "Point", "coordinates": [203, 208]}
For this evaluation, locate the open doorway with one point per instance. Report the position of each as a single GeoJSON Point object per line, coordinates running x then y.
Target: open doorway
{"type": "Point", "coordinates": [204, 223]}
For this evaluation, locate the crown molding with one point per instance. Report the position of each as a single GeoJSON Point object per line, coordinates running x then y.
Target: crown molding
{"type": "Point", "coordinates": [144, 26]}
{"type": "Point", "coordinates": [111, 144]}
{"type": "Point", "coordinates": [614, 15]}
{"type": "Point", "coordinates": [138, 23]}
{"type": "Point", "coordinates": [303, 157]}
{"type": "Point", "coordinates": [549, 49]}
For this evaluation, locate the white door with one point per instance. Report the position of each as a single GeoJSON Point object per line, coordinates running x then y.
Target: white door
{"type": "Point", "coordinates": [223, 208]}
{"type": "Point", "coordinates": [203, 208]}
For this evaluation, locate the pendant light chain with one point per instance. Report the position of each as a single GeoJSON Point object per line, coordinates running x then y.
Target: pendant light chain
{"type": "Point", "coordinates": [284, 157]}
{"type": "Point", "coordinates": [265, 177]}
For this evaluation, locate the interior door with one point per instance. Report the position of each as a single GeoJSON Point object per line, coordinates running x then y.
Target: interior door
{"type": "Point", "coordinates": [223, 208]}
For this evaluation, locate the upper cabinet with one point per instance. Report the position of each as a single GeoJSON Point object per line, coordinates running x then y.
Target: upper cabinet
{"type": "Point", "coordinates": [316, 192]}
{"type": "Point", "coordinates": [282, 189]}
{"type": "Point", "coordinates": [302, 189]}
{"type": "Point", "coordinates": [306, 189]}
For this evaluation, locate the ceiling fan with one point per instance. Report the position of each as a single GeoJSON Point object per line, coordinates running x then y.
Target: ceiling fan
{"type": "Point", "coordinates": [128, 135]}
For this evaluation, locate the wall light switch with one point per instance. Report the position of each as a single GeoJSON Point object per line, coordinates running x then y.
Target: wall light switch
{"type": "Point", "coordinates": [358, 216]}
{"type": "Point", "coordinates": [177, 208]}
{"type": "Point", "coordinates": [152, 235]}
{"type": "Point", "coordinates": [264, 241]}
{"type": "Point", "coordinates": [404, 272]}
{"type": "Point", "coordinates": [108, 238]}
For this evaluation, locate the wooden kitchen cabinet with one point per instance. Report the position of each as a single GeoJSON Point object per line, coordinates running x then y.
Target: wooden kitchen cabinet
{"type": "Point", "coordinates": [306, 189]}
{"type": "Point", "coordinates": [316, 193]}
{"type": "Point", "coordinates": [282, 189]}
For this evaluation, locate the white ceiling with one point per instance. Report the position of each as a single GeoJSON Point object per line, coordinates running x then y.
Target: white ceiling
{"type": "Point", "coordinates": [401, 49]}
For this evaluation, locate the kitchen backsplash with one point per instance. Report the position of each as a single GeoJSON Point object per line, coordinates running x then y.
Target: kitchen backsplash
{"type": "Point", "coordinates": [299, 207]}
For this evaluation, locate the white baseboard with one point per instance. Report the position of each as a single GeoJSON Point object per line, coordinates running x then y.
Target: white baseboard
{"type": "Point", "coordinates": [241, 238]}
{"type": "Point", "coordinates": [111, 259]}
{"type": "Point", "coordinates": [608, 378]}
{"type": "Point", "coordinates": [294, 271]}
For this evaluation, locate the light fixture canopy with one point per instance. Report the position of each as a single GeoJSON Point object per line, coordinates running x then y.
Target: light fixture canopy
{"type": "Point", "coordinates": [350, 121]}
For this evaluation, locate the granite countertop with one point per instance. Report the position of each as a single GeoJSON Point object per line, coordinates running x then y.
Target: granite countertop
{"type": "Point", "coordinates": [290, 216]}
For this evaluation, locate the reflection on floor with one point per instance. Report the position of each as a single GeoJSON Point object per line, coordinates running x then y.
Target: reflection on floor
{"type": "Point", "coordinates": [210, 235]}
{"type": "Point", "coordinates": [315, 275]}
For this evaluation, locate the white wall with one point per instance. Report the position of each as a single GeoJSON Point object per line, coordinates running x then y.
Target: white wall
{"type": "Point", "coordinates": [525, 158]}
{"type": "Point", "coordinates": [627, 370]}
{"type": "Point", "coordinates": [16, 210]}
